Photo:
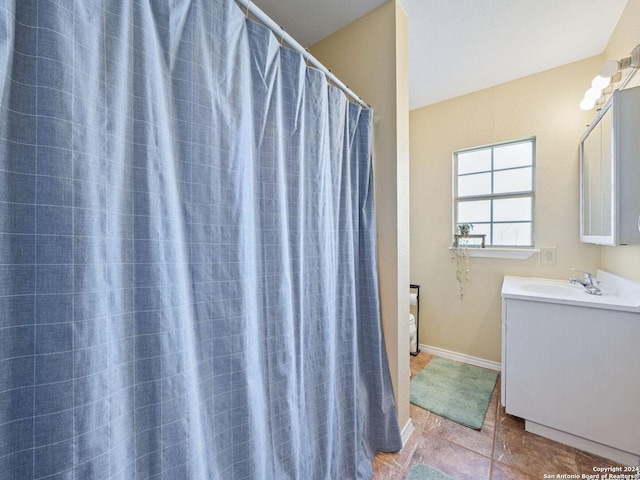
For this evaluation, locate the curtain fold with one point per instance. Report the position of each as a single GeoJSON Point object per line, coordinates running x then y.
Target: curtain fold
{"type": "Point", "coordinates": [188, 276]}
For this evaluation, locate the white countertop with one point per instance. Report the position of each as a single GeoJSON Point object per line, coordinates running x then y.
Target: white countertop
{"type": "Point", "coordinates": [617, 293]}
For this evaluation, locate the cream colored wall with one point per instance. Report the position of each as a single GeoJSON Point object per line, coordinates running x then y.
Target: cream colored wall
{"type": "Point", "coordinates": [370, 55]}
{"type": "Point", "coordinates": [625, 260]}
{"type": "Point", "coordinates": [544, 105]}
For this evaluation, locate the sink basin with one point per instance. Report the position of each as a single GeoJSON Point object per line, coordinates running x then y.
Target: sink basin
{"type": "Point", "coordinates": [617, 293]}
{"type": "Point", "coordinates": [555, 289]}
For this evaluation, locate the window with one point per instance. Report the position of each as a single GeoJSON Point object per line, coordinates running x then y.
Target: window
{"type": "Point", "coordinates": [494, 192]}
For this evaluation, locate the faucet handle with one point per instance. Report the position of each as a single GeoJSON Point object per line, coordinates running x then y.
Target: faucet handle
{"type": "Point", "coordinates": [588, 276]}
{"type": "Point", "coordinates": [581, 271]}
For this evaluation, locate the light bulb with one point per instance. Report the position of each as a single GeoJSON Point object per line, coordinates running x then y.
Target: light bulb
{"type": "Point", "coordinates": [593, 94]}
{"type": "Point", "coordinates": [609, 69]}
{"type": "Point", "coordinates": [587, 104]}
{"type": "Point", "coordinates": [600, 82]}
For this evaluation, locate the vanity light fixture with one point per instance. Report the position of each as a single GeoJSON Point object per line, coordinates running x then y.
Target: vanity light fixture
{"type": "Point", "coordinates": [608, 75]}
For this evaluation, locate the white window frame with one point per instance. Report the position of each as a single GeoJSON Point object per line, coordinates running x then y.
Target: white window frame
{"type": "Point", "coordinates": [497, 196]}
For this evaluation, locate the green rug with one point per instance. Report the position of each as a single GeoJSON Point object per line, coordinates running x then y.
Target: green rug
{"type": "Point", "coordinates": [421, 471]}
{"type": "Point", "coordinates": [454, 390]}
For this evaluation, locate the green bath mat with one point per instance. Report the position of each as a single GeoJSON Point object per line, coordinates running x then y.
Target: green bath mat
{"type": "Point", "coordinates": [421, 471]}
{"type": "Point", "coordinates": [454, 390]}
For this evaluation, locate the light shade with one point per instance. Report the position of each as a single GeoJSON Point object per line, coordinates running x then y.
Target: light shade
{"type": "Point", "coordinates": [587, 104]}
{"type": "Point", "coordinates": [593, 94]}
{"type": "Point", "coordinates": [609, 69]}
{"type": "Point", "coordinates": [600, 82]}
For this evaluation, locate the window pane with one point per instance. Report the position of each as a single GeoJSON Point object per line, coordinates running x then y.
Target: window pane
{"type": "Point", "coordinates": [471, 212]}
{"type": "Point", "coordinates": [478, 184]}
{"type": "Point", "coordinates": [480, 229]}
{"type": "Point", "coordinates": [512, 209]}
{"type": "Point", "coordinates": [518, 180]}
{"type": "Point", "coordinates": [512, 234]}
{"type": "Point", "coordinates": [493, 173]}
{"type": "Point", "coordinates": [476, 161]}
{"type": "Point", "coordinates": [514, 155]}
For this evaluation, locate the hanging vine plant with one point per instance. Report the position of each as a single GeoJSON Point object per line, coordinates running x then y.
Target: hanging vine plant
{"type": "Point", "coordinates": [460, 254]}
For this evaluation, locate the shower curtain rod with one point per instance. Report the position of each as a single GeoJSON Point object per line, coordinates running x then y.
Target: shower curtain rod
{"type": "Point", "coordinates": [280, 32]}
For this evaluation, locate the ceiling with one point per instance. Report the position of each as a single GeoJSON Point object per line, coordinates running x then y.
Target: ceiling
{"type": "Point", "coordinates": [460, 46]}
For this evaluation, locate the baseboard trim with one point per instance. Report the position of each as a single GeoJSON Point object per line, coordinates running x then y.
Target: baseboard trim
{"type": "Point", "coordinates": [461, 357]}
{"type": "Point", "coordinates": [407, 431]}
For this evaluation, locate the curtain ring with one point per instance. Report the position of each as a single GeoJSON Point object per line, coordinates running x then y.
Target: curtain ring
{"type": "Point", "coordinates": [247, 12]}
{"type": "Point", "coordinates": [282, 36]}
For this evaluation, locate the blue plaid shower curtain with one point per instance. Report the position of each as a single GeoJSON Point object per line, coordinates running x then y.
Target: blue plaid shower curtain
{"type": "Point", "coordinates": [188, 279]}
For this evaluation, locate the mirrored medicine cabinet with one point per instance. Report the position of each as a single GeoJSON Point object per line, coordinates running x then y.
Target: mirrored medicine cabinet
{"type": "Point", "coordinates": [610, 173]}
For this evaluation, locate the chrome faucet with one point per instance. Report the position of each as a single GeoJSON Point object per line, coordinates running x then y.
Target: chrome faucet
{"type": "Point", "coordinates": [589, 283]}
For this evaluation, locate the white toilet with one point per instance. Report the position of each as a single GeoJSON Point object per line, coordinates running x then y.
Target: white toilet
{"type": "Point", "coordinates": [413, 337]}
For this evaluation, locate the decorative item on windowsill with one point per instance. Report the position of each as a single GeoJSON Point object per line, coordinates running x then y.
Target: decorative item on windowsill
{"type": "Point", "coordinates": [460, 254]}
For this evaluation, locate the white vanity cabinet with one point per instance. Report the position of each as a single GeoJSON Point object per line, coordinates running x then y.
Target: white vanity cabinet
{"type": "Point", "coordinates": [610, 172]}
{"type": "Point", "coordinates": [572, 371]}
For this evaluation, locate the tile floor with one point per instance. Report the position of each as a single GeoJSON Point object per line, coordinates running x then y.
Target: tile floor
{"type": "Point", "coordinates": [501, 450]}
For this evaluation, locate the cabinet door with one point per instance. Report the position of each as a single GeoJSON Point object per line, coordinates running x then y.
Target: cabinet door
{"type": "Point", "coordinates": [574, 369]}
{"type": "Point", "coordinates": [596, 189]}
{"type": "Point", "coordinates": [610, 173]}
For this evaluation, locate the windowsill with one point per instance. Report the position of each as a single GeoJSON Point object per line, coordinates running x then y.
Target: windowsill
{"type": "Point", "coordinates": [504, 253]}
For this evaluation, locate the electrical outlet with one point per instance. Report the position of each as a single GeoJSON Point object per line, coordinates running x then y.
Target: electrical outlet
{"type": "Point", "coordinates": [548, 256]}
